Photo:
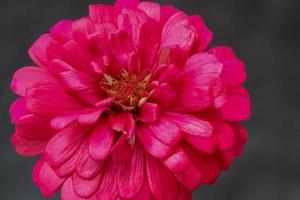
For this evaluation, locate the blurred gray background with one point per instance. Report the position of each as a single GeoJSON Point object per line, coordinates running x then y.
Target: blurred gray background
{"type": "Point", "coordinates": [265, 33]}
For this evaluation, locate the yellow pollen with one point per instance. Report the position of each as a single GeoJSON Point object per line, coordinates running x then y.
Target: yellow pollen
{"type": "Point", "coordinates": [129, 91]}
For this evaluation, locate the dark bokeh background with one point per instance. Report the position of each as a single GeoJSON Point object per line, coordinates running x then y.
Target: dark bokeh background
{"type": "Point", "coordinates": [265, 33]}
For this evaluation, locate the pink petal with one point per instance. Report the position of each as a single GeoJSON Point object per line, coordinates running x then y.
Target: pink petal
{"type": "Point", "coordinates": [69, 166]}
{"type": "Point", "coordinates": [33, 127]}
{"type": "Point", "coordinates": [171, 74]}
{"type": "Point", "coordinates": [78, 56]}
{"type": "Point", "coordinates": [18, 109]}
{"type": "Point", "coordinates": [226, 136]}
{"type": "Point", "coordinates": [81, 29]}
{"type": "Point", "coordinates": [121, 4]}
{"type": "Point", "coordinates": [64, 144]}
{"type": "Point", "coordinates": [101, 141]}
{"type": "Point", "coordinates": [201, 59]}
{"type": "Point", "coordinates": [131, 20]}
{"type": "Point", "coordinates": [237, 108]}
{"type": "Point", "coordinates": [207, 145]}
{"type": "Point", "coordinates": [90, 116]}
{"type": "Point", "coordinates": [131, 176]}
{"type": "Point", "coordinates": [207, 164]}
{"type": "Point", "coordinates": [146, 193]}
{"type": "Point", "coordinates": [205, 36]}
{"type": "Point", "coordinates": [109, 186]}
{"type": "Point", "coordinates": [166, 131]}
{"type": "Point", "coordinates": [223, 53]}
{"type": "Point", "coordinates": [122, 122]}
{"type": "Point", "coordinates": [46, 179]}
{"type": "Point", "coordinates": [122, 149]}
{"type": "Point", "coordinates": [86, 167]}
{"type": "Point", "coordinates": [234, 73]}
{"type": "Point", "coordinates": [225, 159]}
{"type": "Point", "coordinates": [86, 187]}
{"type": "Point", "coordinates": [57, 66]}
{"type": "Point", "coordinates": [102, 13]}
{"type": "Point", "coordinates": [27, 77]}
{"type": "Point", "coordinates": [148, 42]}
{"type": "Point", "coordinates": [68, 193]}
{"type": "Point", "coordinates": [202, 73]}
{"type": "Point", "coordinates": [178, 31]}
{"type": "Point", "coordinates": [75, 80]}
{"type": "Point", "coordinates": [164, 95]}
{"type": "Point", "coordinates": [44, 50]}
{"type": "Point", "coordinates": [184, 194]}
{"type": "Point", "coordinates": [166, 12]}
{"type": "Point", "coordinates": [173, 55]}
{"type": "Point", "coordinates": [241, 137]}
{"type": "Point", "coordinates": [194, 99]}
{"type": "Point", "coordinates": [151, 9]}
{"type": "Point", "coordinates": [178, 162]}
{"type": "Point", "coordinates": [62, 121]}
{"type": "Point", "coordinates": [28, 147]}
{"type": "Point", "coordinates": [192, 125]}
{"type": "Point", "coordinates": [50, 100]}
{"type": "Point", "coordinates": [121, 46]}
{"type": "Point", "coordinates": [161, 181]}
{"type": "Point", "coordinates": [149, 113]}
{"type": "Point", "coordinates": [191, 178]}
{"type": "Point", "coordinates": [152, 145]}
{"type": "Point", "coordinates": [62, 31]}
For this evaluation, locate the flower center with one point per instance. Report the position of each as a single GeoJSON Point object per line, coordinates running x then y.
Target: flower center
{"type": "Point", "coordinates": [129, 91]}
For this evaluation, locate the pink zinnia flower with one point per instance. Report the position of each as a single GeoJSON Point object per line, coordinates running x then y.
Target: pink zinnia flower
{"type": "Point", "coordinates": [128, 103]}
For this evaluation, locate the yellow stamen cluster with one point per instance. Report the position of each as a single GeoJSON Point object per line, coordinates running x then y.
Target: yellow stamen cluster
{"type": "Point", "coordinates": [128, 90]}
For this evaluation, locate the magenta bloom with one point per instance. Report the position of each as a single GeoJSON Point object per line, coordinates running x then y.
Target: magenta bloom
{"type": "Point", "coordinates": [129, 103]}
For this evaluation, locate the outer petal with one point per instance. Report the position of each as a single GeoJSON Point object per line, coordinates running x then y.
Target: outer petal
{"type": "Point", "coordinates": [178, 31]}
{"type": "Point", "coordinates": [204, 35]}
{"type": "Point", "coordinates": [121, 46]}
{"type": "Point", "coordinates": [28, 147]}
{"type": "Point", "coordinates": [207, 145]}
{"type": "Point", "coordinates": [46, 179]}
{"type": "Point", "coordinates": [161, 181]}
{"type": "Point", "coordinates": [18, 109]}
{"type": "Point", "coordinates": [50, 100]}
{"type": "Point", "coordinates": [131, 176]}
{"type": "Point", "coordinates": [152, 145]}
{"type": "Point", "coordinates": [69, 166]}
{"type": "Point", "coordinates": [121, 4]}
{"type": "Point", "coordinates": [102, 13]}
{"type": "Point", "coordinates": [207, 164]}
{"type": "Point", "coordinates": [44, 50]}
{"type": "Point", "coordinates": [151, 9]}
{"type": "Point", "coordinates": [166, 131]}
{"type": "Point", "coordinates": [32, 127]}
{"type": "Point", "coordinates": [68, 193]}
{"type": "Point", "coordinates": [27, 77]}
{"type": "Point", "coordinates": [240, 138]}
{"type": "Point", "coordinates": [86, 187]}
{"type": "Point", "coordinates": [178, 162]}
{"type": "Point", "coordinates": [109, 187]}
{"type": "Point", "coordinates": [101, 141]}
{"type": "Point", "coordinates": [64, 144]}
{"type": "Point", "coordinates": [192, 125]}
{"type": "Point", "coordinates": [62, 31]}
{"type": "Point", "coordinates": [237, 108]}
{"type": "Point", "coordinates": [148, 42]}
{"type": "Point", "coordinates": [75, 80]}
{"type": "Point", "coordinates": [86, 167]}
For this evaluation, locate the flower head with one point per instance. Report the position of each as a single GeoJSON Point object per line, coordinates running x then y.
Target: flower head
{"type": "Point", "coordinates": [129, 103]}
